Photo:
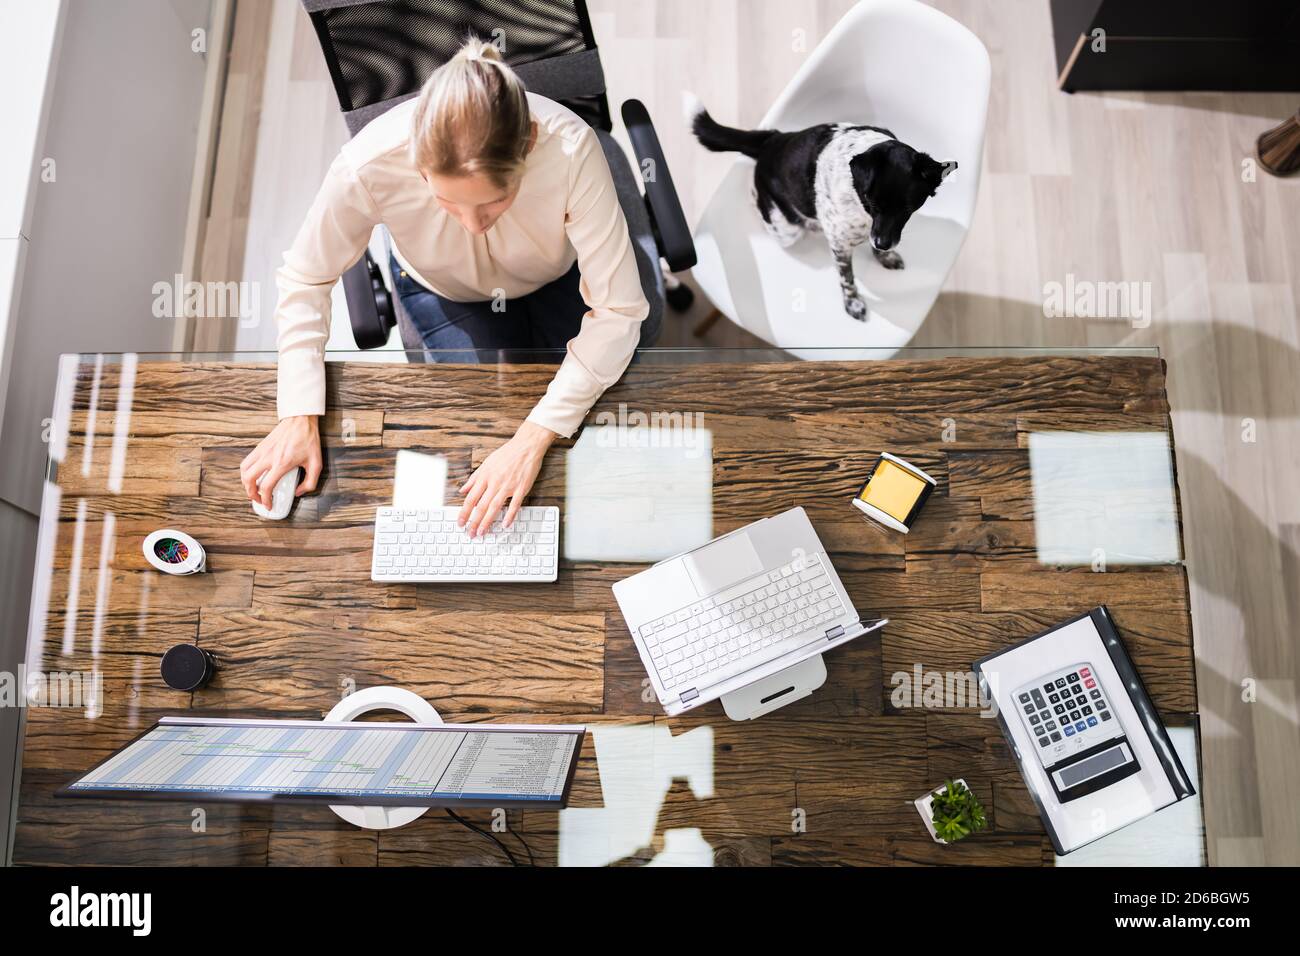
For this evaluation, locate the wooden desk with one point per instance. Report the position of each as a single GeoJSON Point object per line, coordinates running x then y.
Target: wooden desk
{"type": "Point", "coordinates": [295, 620]}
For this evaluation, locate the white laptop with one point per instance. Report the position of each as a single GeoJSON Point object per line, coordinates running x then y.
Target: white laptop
{"type": "Point", "coordinates": [715, 619]}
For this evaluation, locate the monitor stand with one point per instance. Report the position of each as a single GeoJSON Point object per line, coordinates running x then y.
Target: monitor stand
{"type": "Point", "coordinates": [784, 687]}
{"type": "Point", "coordinates": [382, 698]}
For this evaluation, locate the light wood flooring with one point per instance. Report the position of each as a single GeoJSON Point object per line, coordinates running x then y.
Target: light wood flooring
{"type": "Point", "coordinates": [1107, 187]}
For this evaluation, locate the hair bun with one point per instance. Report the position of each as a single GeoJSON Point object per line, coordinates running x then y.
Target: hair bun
{"type": "Point", "coordinates": [481, 51]}
{"type": "Point", "coordinates": [471, 119]}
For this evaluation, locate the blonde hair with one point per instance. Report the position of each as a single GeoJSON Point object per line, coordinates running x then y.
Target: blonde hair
{"type": "Point", "coordinates": [472, 117]}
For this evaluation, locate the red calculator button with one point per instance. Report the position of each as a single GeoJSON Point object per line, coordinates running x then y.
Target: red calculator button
{"type": "Point", "coordinates": [1090, 683]}
{"type": "Point", "coordinates": [1084, 672]}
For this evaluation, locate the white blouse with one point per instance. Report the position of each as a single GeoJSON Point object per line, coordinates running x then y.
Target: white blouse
{"type": "Point", "coordinates": [566, 208]}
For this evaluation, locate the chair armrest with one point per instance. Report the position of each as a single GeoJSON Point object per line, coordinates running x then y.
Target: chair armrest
{"type": "Point", "coordinates": [370, 308]}
{"type": "Point", "coordinates": [672, 235]}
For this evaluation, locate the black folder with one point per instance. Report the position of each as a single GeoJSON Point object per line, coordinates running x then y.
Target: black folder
{"type": "Point", "coordinates": [1148, 718]}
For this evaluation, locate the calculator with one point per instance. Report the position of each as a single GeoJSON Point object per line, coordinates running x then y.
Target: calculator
{"type": "Point", "coordinates": [1075, 731]}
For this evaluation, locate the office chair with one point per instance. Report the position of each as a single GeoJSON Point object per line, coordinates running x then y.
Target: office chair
{"type": "Point", "coordinates": [380, 52]}
{"type": "Point", "coordinates": [900, 64]}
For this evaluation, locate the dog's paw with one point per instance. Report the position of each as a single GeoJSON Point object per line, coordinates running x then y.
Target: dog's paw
{"type": "Point", "coordinates": [856, 308]}
{"type": "Point", "coordinates": [890, 259]}
{"type": "Point", "coordinates": [786, 235]}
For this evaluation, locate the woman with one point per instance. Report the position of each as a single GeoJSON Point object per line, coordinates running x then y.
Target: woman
{"type": "Point", "coordinates": [493, 197]}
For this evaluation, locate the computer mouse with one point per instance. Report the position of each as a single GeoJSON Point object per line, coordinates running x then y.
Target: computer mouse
{"type": "Point", "coordinates": [281, 498]}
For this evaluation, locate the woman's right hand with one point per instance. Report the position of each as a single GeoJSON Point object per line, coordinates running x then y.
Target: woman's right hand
{"type": "Point", "coordinates": [292, 443]}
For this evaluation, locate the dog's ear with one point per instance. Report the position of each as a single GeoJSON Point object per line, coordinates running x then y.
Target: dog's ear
{"type": "Point", "coordinates": [863, 170]}
{"type": "Point", "coordinates": [932, 172]}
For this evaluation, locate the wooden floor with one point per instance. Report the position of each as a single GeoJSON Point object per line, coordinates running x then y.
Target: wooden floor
{"type": "Point", "coordinates": [1135, 187]}
{"type": "Point", "coordinates": [290, 612]}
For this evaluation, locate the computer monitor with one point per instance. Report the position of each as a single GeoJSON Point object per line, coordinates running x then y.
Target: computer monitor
{"type": "Point", "coordinates": [367, 764]}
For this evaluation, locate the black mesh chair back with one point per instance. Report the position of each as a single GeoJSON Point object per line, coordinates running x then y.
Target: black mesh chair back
{"type": "Point", "coordinates": [380, 52]}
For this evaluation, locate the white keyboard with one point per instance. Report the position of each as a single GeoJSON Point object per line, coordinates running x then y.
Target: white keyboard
{"type": "Point", "coordinates": [426, 545]}
{"type": "Point", "coordinates": [748, 624]}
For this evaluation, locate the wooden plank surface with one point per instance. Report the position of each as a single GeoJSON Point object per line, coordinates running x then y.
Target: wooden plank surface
{"type": "Point", "coordinates": [290, 611]}
{"type": "Point", "coordinates": [1221, 258]}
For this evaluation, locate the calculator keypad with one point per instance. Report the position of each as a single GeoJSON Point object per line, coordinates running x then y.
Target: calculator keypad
{"type": "Point", "coordinates": [1065, 706]}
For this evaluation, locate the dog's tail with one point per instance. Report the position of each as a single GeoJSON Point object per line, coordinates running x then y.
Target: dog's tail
{"type": "Point", "coordinates": [722, 139]}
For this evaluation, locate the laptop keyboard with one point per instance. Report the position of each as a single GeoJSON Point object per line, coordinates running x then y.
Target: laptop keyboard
{"type": "Point", "coordinates": [743, 626]}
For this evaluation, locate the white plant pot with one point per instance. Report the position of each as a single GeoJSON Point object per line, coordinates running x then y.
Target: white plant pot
{"type": "Point", "coordinates": [923, 803]}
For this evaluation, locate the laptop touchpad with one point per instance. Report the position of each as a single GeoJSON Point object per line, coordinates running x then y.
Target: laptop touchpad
{"type": "Point", "coordinates": [724, 562]}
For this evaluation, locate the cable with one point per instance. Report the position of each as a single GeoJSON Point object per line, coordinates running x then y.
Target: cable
{"type": "Point", "coordinates": [491, 836]}
{"type": "Point", "coordinates": [527, 849]}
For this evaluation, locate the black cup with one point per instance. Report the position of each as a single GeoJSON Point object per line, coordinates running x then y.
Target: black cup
{"type": "Point", "coordinates": [187, 667]}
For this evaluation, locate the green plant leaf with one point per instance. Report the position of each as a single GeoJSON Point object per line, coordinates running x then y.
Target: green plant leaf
{"type": "Point", "coordinates": [956, 812]}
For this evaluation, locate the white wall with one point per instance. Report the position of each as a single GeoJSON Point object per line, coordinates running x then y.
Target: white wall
{"type": "Point", "coordinates": [123, 119]}
{"type": "Point", "coordinates": [29, 41]}
{"type": "Point", "coordinates": [123, 111]}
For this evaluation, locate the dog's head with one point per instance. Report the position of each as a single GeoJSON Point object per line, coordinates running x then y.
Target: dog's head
{"type": "Point", "coordinates": [893, 181]}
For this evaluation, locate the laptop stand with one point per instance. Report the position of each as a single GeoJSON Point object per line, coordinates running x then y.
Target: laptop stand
{"type": "Point", "coordinates": [772, 693]}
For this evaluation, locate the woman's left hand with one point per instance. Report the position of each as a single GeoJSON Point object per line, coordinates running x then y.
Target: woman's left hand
{"type": "Point", "coordinates": [509, 472]}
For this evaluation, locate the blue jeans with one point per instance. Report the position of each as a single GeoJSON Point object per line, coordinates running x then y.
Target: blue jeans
{"type": "Point", "coordinates": [546, 318]}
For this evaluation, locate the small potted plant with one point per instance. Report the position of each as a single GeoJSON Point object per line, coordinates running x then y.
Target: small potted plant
{"type": "Point", "coordinates": [951, 812]}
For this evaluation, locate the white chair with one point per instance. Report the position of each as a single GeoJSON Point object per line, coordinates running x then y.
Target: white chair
{"type": "Point", "coordinates": [898, 64]}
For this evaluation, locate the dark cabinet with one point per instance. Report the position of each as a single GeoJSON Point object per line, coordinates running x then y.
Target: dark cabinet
{"type": "Point", "coordinates": [1177, 44]}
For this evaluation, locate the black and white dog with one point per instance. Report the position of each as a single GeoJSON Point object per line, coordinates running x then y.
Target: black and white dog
{"type": "Point", "coordinates": [851, 182]}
